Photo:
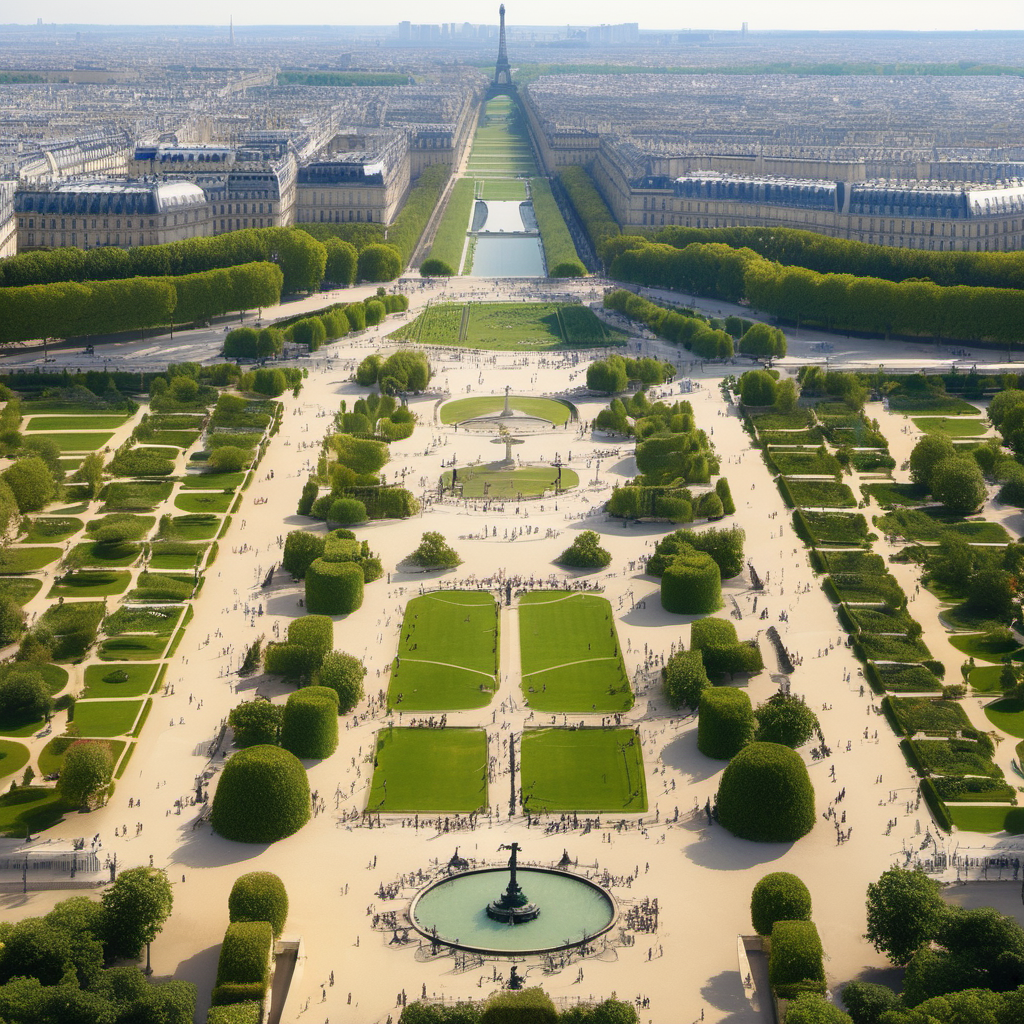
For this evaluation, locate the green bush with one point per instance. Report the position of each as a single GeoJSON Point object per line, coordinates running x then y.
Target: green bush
{"type": "Point", "coordinates": [309, 728]}
{"type": "Point", "coordinates": [255, 722]}
{"type": "Point", "coordinates": [262, 796]}
{"type": "Point", "coordinates": [813, 1008]}
{"type": "Point", "coordinates": [434, 552]}
{"type": "Point", "coordinates": [301, 550]}
{"type": "Point", "coordinates": [691, 584]}
{"type": "Point", "coordinates": [334, 588]}
{"type": "Point", "coordinates": [778, 896]}
{"type": "Point", "coordinates": [288, 660]}
{"type": "Point", "coordinates": [259, 896]}
{"type": "Point", "coordinates": [585, 552]}
{"type": "Point", "coordinates": [725, 723]}
{"type": "Point", "coordinates": [685, 679]}
{"type": "Point", "coordinates": [797, 961]}
{"type": "Point", "coordinates": [244, 960]}
{"type": "Point", "coordinates": [725, 546]}
{"type": "Point", "coordinates": [785, 718]}
{"type": "Point", "coordinates": [344, 674]}
{"type": "Point", "coordinates": [766, 795]}
{"type": "Point", "coordinates": [132, 462]}
{"type": "Point", "coordinates": [723, 492]}
{"type": "Point", "coordinates": [347, 511]}
{"type": "Point", "coordinates": [531, 1004]}
{"type": "Point", "coordinates": [248, 1012]}
{"type": "Point", "coordinates": [314, 633]}
{"type": "Point", "coordinates": [721, 649]}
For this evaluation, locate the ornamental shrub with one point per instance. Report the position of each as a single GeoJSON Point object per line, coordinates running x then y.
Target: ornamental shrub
{"type": "Point", "coordinates": [255, 722]}
{"type": "Point", "coordinates": [691, 584]}
{"type": "Point", "coordinates": [709, 506]}
{"type": "Point", "coordinates": [248, 1012]}
{"type": "Point", "coordinates": [785, 718]}
{"type": "Point", "coordinates": [723, 492]}
{"type": "Point", "coordinates": [262, 796]}
{"type": "Point", "coordinates": [347, 511]}
{"type": "Point", "coordinates": [310, 724]}
{"type": "Point", "coordinates": [779, 896]}
{"type": "Point", "coordinates": [244, 962]}
{"type": "Point", "coordinates": [812, 1008]}
{"type": "Point", "coordinates": [434, 552]}
{"type": "Point", "coordinates": [435, 268]}
{"type": "Point", "coordinates": [585, 552]}
{"type": "Point", "coordinates": [766, 795]}
{"type": "Point", "coordinates": [685, 679]}
{"type": "Point", "coordinates": [344, 674]}
{"type": "Point", "coordinates": [301, 550]}
{"type": "Point", "coordinates": [531, 1004]}
{"type": "Point", "coordinates": [241, 343]}
{"type": "Point", "coordinates": [334, 588]}
{"type": "Point", "coordinates": [288, 660]}
{"type": "Point", "coordinates": [797, 961]}
{"type": "Point", "coordinates": [726, 722]}
{"type": "Point", "coordinates": [315, 634]}
{"type": "Point", "coordinates": [259, 896]}
{"type": "Point", "coordinates": [720, 648]}
{"type": "Point", "coordinates": [725, 546]}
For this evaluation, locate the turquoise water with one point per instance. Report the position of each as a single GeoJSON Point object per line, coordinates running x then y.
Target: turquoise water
{"type": "Point", "coordinates": [571, 910]}
{"type": "Point", "coordinates": [495, 256]}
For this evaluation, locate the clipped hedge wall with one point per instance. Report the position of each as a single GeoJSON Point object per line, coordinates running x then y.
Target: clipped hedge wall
{"type": "Point", "coordinates": [315, 633]}
{"type": "Point", "coordinates": [766, 795]}
{"type": "Point", "coordinates": [259, 896]}
{"type": "Point", "coordinates": [310, 725]}
{"type": "Point", "coordinates": [249, 1012]}
{"type": "Point", "coordinates": [262, 796]}
{"type": "Point", "coordinates": [334, 588]}
{"type": "Point", "coordinates": [721, 649]}
{"type": "Point", "coordinates": [691, 585]}
{"type": "Point", "coordinates": [244, 964]}
{"type": "Point", "coordinates": [797, 961]}
{"type": "Point", "coordinates": [725, 723]}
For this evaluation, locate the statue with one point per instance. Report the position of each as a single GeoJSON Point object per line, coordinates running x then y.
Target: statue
{"type": "Point", "coordinates": [513, 905]}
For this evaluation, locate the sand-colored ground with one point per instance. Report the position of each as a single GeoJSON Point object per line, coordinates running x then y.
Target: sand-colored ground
{"type": "Point", "coordinates": [700, 875]}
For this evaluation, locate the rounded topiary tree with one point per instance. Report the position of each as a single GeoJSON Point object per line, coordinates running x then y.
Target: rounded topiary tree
{"type": "Point", "coordinates": [333, 588]}
{"type": "Point", "coordinates": [725, 723]}
{"type": "Point", "coordinates": [691, 584]}
{"type": "Point", "coordinates": [766, 794]}
{"type": "Point", "coordinates": [779, 896]}
{"type": "Point", "coordinates": [262, 796]}
{"type": "Point", "coordinates": [344, 674]}
{"type": "Point", "coordinates": [309, 727]}
{"type": "Point", "coordinates": [347, 511]}
{"type": "Point", "coordinates": [259, 896]}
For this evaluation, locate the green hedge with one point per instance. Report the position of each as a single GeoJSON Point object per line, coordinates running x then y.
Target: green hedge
{"type": "Point", "coordinates": [334, 588]}
{"type": "Point", "coordinates": [259, 896]}
{"type": "Point", "coordinates": [404, 233]}
{"type": "Point", "coordinates": [262, 796]}
{"type": "Point", "coordinates": [691, 585]}
{"type": "Point", "coordinates": [721, 649]}
{"type": "Point", "coordinates": [797, 960]}
{"type": "Point", "coordinates": [936, 805]}
{"type": "Point", "coordinates": [244, 965]}
{"type": "Point", "coordinates": [314, 633]}
{"type": "Point", "coordinates": [590, 207]}
{"type": "Point", "coordinates": [249, 1012]}
{"type": "Point", "coordinates": [766, 795]}
{"type": "Point", "coordinates": [725, 723]}
{"type": "Point", "coordinates": [310, 725]}
{"type": "Point", "coordinates": [778, 896]}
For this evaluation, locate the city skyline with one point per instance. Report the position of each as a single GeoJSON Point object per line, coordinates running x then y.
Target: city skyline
{"type": "Point", "coordinates": [779, 15]}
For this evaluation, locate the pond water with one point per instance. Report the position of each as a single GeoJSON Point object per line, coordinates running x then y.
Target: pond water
{"type": "Point", "coordinates": [571, 910]}
{"type": "Point", "coordinates": [508, 257]}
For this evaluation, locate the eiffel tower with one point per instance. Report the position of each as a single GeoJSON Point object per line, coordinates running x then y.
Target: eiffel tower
{"type": "Point", "coordinates": [502, 72]}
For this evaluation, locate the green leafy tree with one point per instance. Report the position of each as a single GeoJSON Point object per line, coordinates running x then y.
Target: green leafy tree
{"type": "Point", "coordinates": [379, 262]}
{"type": "Point", "coordinates": [686, 679]}
{"type": "Point", "coordinates": [12, 624]}
{"type": "Point", "coordinates": [957, 482]}
{"type": "Point", "coordinates": [344, 674]}
{"type": "Point", "coordinates": [24, 696]}
{"type": "Point", "coordinates": [436, 268]}
{"type": "Point", "coordinates": [867, 1001]}
{"type": "Point", "coordinates": [585, 552]}
{"type": "Point", "coordinates": [255, 722]}
{"type": "Point", "coordinates": [342, 261]}
{"type": "Point", "coordinates": [607, 375]}
{"type": "Point", "coordinates": [434, 552]}
{"type": "Point", "coordinates": [927, 454]}
{"type": "Point", "coordinates": [136, 905]}
{"type": "Point", "coordinates": [368, 371]}
{"type": "Point", "coordinates": [763, 340]}
{"type": "Point", "coordinates": [259, 896]}
{"type": "Point", "coordinates": [90, 472]}
{"type": "Point", "coordinates": [86, 772]}
{"type": "Point", "coordinates": [811, 1008]}
{"type": "Point", "coordinates": [31, 482]}
{"type": "Point", "coordinates": [785, 718]}
{"type": "Point", "coordinates": [778, 896]}
{"type": "Point", "coordinates": [904, 910]}
{"type": "Point", "coordinates": [757, 388]}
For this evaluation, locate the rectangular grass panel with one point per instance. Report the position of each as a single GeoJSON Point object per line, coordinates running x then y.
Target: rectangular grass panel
{"type": "Point", "coordinates": [429, 771]}
{"type": "Point", "coordinates": [51, 529]}
{"type": "Point", "coordinates": [204, 501]}
{"type": "Point", "coordinates": [583, 770]}
{"type": "Point", "coordinates": [570, 653]}
{"type": "Point", "coordinates": [953, 426]}
{"type": "Point", "coordinates": [136, 496]}
{"type": "Point", "coordinates": [195, 527]}
{"type": "Point", "coordinates": [30, 809]}
{"type": "Point", "coordinates": [107, 681]}
{"type": "Point", "coordinates": [106, 717]}
{"type": "Point", "coordinates": [821, 493]}
{"type": "Point", "coordinates": [448, 652]}
{"type": "Point", "coordinates": [132, 647]}
{"type": "Point", "coordinates": [17, 559]}
{"type": "Point", "coordinates": [21, 589]}
{"type": "Point", "coordinates": [988, 819]}
{"type": "Point", "coordinates": [85, 441]}
{"type": "Point", "coordinates": [75, 422]}
{"type": "Point", "coordinates": [91, 583]}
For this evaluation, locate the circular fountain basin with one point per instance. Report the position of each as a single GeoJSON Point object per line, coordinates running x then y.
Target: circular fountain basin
{"type": "Point", "coordinates": [573, 910]}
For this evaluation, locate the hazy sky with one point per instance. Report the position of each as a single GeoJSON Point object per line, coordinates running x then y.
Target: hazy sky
{"type": "Point", "coordinates": [760, 14]}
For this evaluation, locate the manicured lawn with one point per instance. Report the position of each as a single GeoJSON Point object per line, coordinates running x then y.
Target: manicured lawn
{"type": "Point", "coordinates": [196, 527]}
{"type": "Point", "coordinates": [820, 494]}
{"type": "Point", "coordinates": [75, 422]}
{"type": "Point", "coordinates": [834, 528]}
{"type": "Point", "coordinates": [29, 810]}
{"type": "Point", "coordinates": [201, 501]}
{"type": "Point", "coordinates": [91, 583]}
{"type": "Point", "coordinates": [139, 682]}
{"type": "Point", "coordinates": [955, 427]}
{"type": "Point", "coordinates": [450, 238]}
{"type": "Point", "coordinates": [468, 408]}
{"type": "Point", "coordinates": [941, 406]}
{"type": "Point", "coordinates": [583, 770]}
{"type": "Point", "coordinates": [986, 679]}
{"type": "Point", "coordinates": [17, 559]}
{"type": "Point", "coordinates": [85, 441]}
{"type": "Point", "coordinates": [21, 589]}
{"type": "Point", "coordinates": [106, 717]}
{"type": "Point", "coordinates": [174, 438]}
{"type": "Point", "coordinates": [173, 556]}
{"type": "Point", "coordinates": [888, 494]}
{"type": "Point", "coordinates": [985, 647]}
{"type": "Point", "coordinates": [495, 481]}
{"type": "Point", "coordinates": [988, 819]}
{"type": "Point", "coordinates": [570, 654]}
{"type": "Point", "coordinates": [104, 555]}
{"type": "Point", "coordinates": [141, 525]}
{"type": "Point", "coordinates": [51, 757]}
{"type": "Point", "coordinates": [1007, 715]}
{"type": "Point", "coordinates": [51, 529]}
{"type": "Point", "coordinates": [448, 652]}
{"type": "Point", "coordinates": [429, 771]}
{"type": "Point", "coordinates": [132, 648]}
{"type": "Point", "coordinates": [136, 496]}
{"type": "Point", "coordinates": [13, 757]}
{"type": "Point", "coordinates": [213, 481]}
{"type": "Point", "coordinates": [502, 190]}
